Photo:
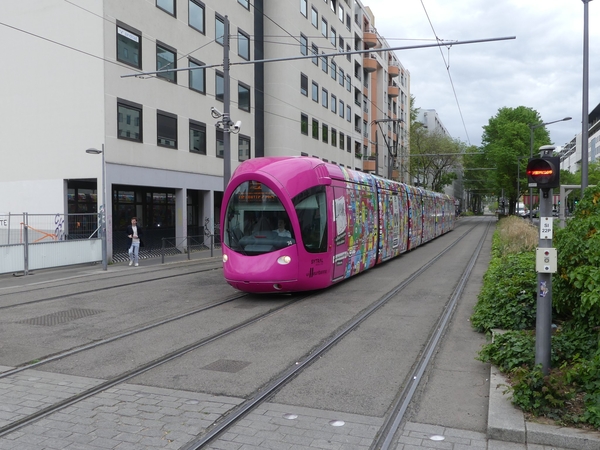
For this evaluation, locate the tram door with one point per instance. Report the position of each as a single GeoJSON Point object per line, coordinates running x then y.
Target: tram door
{"type": "Point", "coordinates": [340, 224]}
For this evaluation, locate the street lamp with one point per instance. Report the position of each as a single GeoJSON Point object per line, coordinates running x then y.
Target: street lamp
{"type": "Point", "coordinates": [101, 209]}
{"type": "Point", "coordinates": [519, 158]}
{"type": "Point", "coordinates": [585, 119]}
{"type": "Point", "coordinates": [533, 126]}
{"type": "Point", "coordinates": [392, 153]}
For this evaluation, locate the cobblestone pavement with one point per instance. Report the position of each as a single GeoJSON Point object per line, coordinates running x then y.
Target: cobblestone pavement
{"type": "Point", "coordinates": [133, 417]}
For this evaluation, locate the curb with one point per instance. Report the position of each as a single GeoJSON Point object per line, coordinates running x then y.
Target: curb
{"type": "Point", "coordinates": [507, 423]}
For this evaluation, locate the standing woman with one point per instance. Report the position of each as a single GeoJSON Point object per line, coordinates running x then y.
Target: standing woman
{"type": "Point", "coordinates": [134, 234]}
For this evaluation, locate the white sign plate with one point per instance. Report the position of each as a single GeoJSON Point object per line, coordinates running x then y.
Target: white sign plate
{"type": "Point", "coordinates": [546, 227]}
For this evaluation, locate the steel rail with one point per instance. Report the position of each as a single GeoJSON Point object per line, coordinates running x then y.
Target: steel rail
{"type": "Point", "coordinates": [228, 420]}
{"type": "Point", "coordinates": [27, 420]}
{"type": "Point", "coordinates": [394, 418]}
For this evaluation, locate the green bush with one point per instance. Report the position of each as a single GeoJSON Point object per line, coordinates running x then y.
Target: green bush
{"type": "Point", "coordinates": [570, 392]}
{"type": "Point", "coordinates": [576, 288]}
{"type": "Point", "coordinates": [508, 297]}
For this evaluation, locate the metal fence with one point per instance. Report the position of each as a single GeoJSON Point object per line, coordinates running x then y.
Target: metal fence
{"type": "Point", "coordinates": [39, 241]}
{"type": "Point", "coordinates": [187, 245]}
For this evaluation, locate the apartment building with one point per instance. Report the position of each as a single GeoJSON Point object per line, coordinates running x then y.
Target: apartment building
{"type": "Point", "coordinates": [73, 90]}
{"type": "Point", "coordinates": [572, 152]}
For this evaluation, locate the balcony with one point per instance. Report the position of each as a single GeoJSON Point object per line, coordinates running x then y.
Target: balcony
{"type": "Point", "coordinates": [393, 91]}
{"type": "Point", "coordinates": [369, 165]}
{"type": "Point", "coordinates": [370, 38]}
{"type": "Point", "coordinates": [369, 64]}
{"type": "Point", "coordinates": [394, 71]}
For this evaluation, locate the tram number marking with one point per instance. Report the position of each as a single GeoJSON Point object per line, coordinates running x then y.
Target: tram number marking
{"type": "Point", "coordinates": [316, 261]}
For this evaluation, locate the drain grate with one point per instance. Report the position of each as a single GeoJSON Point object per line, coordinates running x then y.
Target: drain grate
{"type": "Point", "coordinates": [59, 317]}
{"type": "Point", "coordinates": [227, 365]}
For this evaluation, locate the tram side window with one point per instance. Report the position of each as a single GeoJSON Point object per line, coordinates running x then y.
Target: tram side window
{"type": "Point", "coordinates": [311, 210]}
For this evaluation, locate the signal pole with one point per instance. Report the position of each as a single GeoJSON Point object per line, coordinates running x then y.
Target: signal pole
{"type": "Point", "coordinates": [544, 173]}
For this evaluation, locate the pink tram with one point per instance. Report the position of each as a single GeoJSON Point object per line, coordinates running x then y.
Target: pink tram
{"type": "Point", "coordinates": [297, 223]}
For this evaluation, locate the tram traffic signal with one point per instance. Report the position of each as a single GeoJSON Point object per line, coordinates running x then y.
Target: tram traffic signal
{"type": "Point", "coordinates": [544, 173]}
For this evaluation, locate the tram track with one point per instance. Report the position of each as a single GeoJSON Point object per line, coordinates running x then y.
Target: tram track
{"type": "Point", "coordinates": [230, 419]}
{"type": "Point", "coordinates": [16, 425]}
{"type": "Point", "coordinates": [99, 289]}
{"type": "Point", "coordinates": [394, 418]}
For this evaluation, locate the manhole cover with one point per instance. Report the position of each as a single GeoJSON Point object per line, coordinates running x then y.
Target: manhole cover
{"type": "Point", "coordinates": [61, 317]}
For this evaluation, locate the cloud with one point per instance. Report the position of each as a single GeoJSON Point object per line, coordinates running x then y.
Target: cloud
{"type": "Point", "coordinates": [542, 68]}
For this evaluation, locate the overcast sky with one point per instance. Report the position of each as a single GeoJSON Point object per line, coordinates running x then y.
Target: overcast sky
{"type": "Point", "coordinates": [541, 69]}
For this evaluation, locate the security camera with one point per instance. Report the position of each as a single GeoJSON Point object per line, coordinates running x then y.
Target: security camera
{"type": "Point", "coordinates": [219, 124]}
{"type": "Point", "coordinates": [215, 112]}
{"type": "Point", "coordinates": [237, 126]}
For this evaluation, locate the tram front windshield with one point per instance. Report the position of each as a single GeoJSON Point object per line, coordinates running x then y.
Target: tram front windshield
{"type": "Point", "coordinates": [256, 221]}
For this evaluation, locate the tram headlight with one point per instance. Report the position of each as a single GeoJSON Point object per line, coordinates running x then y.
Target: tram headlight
{"type": "Point", "coordinates": [284, 260]}
{"type": "Point", "coordinates": [225, 258]}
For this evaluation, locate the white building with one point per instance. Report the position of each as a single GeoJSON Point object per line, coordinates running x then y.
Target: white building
{"type": "Point", "coordinates": [431, 121]}
{"type": "Point", "coordinates": [163, 154]}
{"type": "Point", "coordinates": [571, 153]}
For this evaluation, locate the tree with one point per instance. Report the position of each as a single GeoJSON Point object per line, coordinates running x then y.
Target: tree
{"type": "Point", "coordinates": [433, 155]}
{"type": "Point", "coordinates": [506, 147]}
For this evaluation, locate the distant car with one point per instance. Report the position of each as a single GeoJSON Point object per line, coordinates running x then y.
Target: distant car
{"type": "Point", "coordinates": [522, 212]}
{"type": "Point", "coordinates": [554, 212]}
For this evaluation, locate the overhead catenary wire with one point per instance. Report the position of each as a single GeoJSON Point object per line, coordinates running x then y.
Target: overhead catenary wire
{"type": "Point", "coordinates": [447, 65]}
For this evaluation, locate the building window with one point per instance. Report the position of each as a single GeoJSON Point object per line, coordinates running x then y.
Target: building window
{"type": "Point", "coordinates": [129, 47]}
{"type": "Point", "coordinates": [167, 6]}
{"type": "Point", "coordinates": [196, 15]}
{"type": "Point", "coordinates": [243, 97]}
{"type": "Point", "coordinates": [324, 98]}
{"type": "Point", "coordinates": [243, 148]}
{"type": "Point", "coordinates": [244, 3]}
{"type": "Point", "coordinates": [341, 109]}
{"type": "Point", "coordinates": [324, 26]}
{"type": "Point", "coordinates": [219, 86]}
{"type": "Point", "coordinates": [303, 45]}
{"type": "Point", "coordinates": [314, 18]}
{"type": "Point", "coordinates": [324, 64]}
{"type": "Point", "coordinates": [165, 59]}
{"type": "Point", "coordinates": [315, 92]}
{"type": "Point", "coordinates": [325, 133]}
{"type": "Point", "coordinates": [130, 121]}
{"type": "Point", "coordinates": [166, 129]}
{"type": "Point", "coordinates": [315, 129]}
{"type": "Point", "coordinates": [341, 141]}
{"type": "Point", "coordinates": [220, 144]}
{"type": "Point", "coordinates": [348, 113]}
{"type": "Point", "coordinates": [333, 104]}
{"type": "Point", "coordinates": [304, 84]}
{"type": "Point", "coordinates": [334, 137]}
{"type": "Point", "coordinates": [243, 45]}
{"type": "Point", "coordinates": [341, 77]}
{"type": "Point", "coordinates": [333, 69]}
{"type": "Point", "coordinates": [197, 137]}
{"type": "Point", "coordinates": [348, 83]}
{"type": "Point", "coordinates": [219, 29]}
{"type": "Point", "coordinates": [304, 8]}
{"type": "Point", "coordinates": [315, 52]}
{"type": "Point", "coordinates": [333, 37]}
{"type": "Point", "coordinates": [197, 77]}
{"type": "Point", "coordinates": [304, 124]}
